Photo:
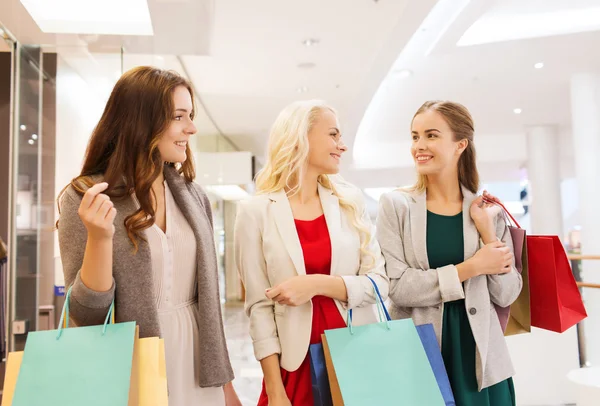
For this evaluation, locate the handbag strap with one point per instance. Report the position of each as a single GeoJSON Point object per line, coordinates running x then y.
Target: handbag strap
{"type": "Point", "coordinates": [505, 212]}
{"type": "Point", "coordinates": [64, 315]}
{"type": "Point", "coordinates": [382, 311]}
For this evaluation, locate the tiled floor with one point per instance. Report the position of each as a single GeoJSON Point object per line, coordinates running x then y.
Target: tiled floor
{"type": "Point", "coordinates": [248, 374]}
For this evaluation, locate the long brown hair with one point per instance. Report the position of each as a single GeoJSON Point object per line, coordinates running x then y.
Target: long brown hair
{"type": "Point", "coordinates": [123, 146]}
{"type": "Point", "coordinates": [461, 123]}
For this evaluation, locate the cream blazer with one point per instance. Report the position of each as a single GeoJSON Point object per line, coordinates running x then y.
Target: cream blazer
{"type": "Point", "coordinates": [268, 252]}
{"type": "Point", "coordinates": [420, 292]}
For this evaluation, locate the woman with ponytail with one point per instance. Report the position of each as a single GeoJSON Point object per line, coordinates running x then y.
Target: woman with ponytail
{"type": "Point", "coordinates": [304, 247]}
{"type": "Point", "coordinates": [449, 256]}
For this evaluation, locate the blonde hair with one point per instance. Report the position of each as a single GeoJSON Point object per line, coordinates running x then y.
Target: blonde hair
{"type": "Point", "coordinates": [287, 159]}
{"type": "Point", "coordinates": [461, 123]}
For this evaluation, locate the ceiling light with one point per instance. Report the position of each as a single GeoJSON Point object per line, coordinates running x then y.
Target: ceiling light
{"type": "Point", "coordinates": [108, 17]}
{"type": "Point", "coordinates": [544, 21]}
{"type": "Point", "coordinates": [518, 111]}
{"type": "Point", "coordinates": [34, 136]}
{"type": "Point", "coordinates": [310, 42]}
{"type": "Point", "coordinates": [23, 127]}
{"type": "Point", "coordinates": [31, 142]}
{"type": "Point", "coordinates": [539, 65]}
{"type": "Point", "coordinates": [302, 89]}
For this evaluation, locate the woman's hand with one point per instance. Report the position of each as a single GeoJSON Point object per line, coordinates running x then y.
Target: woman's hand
{"type": "Point", "coordinates": [294, 292]}
{"type": "Point", "coordinates": [98, 213]}
{"type": "Point", "coordinates": [483, 211]}
{"type": "Point", "coordinates": [493, 259]}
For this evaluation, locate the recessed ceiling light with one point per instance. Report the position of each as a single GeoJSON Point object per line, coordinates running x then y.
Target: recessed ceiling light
{"type": "Point", "coordinates": [302, 89]}
{"type": "Point", "coordinates": [31, 142]}
{"type": "Point", "coordinates": [402, 73]}
{"type": "Point", "coordinates": [34, 136]}
{"type": "Point", "coordinates": [518, 111]}
{"type": "Point", "coordinates": [108, 17]}
{"type": "Point", "coordinates": [310, 42]}
{"type": "Point", "coordinates": [539, 65]}
{"type": "Point", "coordinates": [23, 127]}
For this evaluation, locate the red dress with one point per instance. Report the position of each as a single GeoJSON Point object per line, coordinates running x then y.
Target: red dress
{"type": "Point", "coordinates": [316, 247]}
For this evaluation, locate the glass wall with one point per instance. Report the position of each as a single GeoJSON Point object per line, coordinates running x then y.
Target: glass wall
{"type": "Point", "coordinates": [26, 181]}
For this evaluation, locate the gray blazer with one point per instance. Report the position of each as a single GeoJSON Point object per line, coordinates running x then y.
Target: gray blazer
{"type": "Point", "coordinates": [420, 292]}
{"type": "Point", "coordinates": [133, 288]}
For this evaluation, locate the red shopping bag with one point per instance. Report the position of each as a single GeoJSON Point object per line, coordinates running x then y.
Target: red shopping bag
{"type": "Point", "coordinates": [556, 303]}
{"type": "Point", "coordinates": [555, 300]}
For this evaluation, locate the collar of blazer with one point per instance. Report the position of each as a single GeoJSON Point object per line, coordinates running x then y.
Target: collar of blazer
{"type": "Point", "coordinates": [418, 223]}
{"type": "Point", "coordinates": [284, 219]}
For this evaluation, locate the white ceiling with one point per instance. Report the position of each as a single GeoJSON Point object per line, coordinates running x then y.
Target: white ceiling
{"type": "Point", "coordinates": [243, 59]}
{"type": "Point", "coordinates": [252, 71]}
{"type": "Point", "coordinates": [491, 80]}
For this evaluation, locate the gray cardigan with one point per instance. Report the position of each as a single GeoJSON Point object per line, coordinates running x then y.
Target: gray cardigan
{"type": "Point", "coordinates": [133, 287]}
{"type": "Point", "coordinates": [420, 292]}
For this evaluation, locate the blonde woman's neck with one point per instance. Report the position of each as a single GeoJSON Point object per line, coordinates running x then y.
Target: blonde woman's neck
{"type": "Point", "coordinates": [308, 189]}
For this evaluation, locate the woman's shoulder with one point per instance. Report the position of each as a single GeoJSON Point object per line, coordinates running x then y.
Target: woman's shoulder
{"type": "Point", "coordinates": [75, 190]}
{"type": "Point", "coordinates": [399, 198]}
{"type": "Point", "coordinates": [256, 202]}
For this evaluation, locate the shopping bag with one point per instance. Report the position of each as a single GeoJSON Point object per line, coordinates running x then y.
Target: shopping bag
{"type": "Point", "coordinates": [13, 364]}
{"type": "Point", "coordinates": [318, 376]}
{"type": "Point", "coordinates": [336, 394]}
{"type": "Point", "coordinates": [93, 362]}
{"type": "Point", "coordinates": [432, 349]}
{"type": "Point", "coordinates": [555, 300]}
{"type": "Point", "coordinates": [516, 318]}
{"type": "Point", "coordinates": [382, 363]}
{"type": "Point", "coordinates": [149, 375]}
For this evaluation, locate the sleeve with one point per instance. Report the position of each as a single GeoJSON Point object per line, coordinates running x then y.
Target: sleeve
{"type": "Point", "coordinates": [359, 287]}
{"type": "Point", "coordinates": [86, 307]}
{"type": "Point", "coordinates": [250, 261]}
{"type": "Point", "coordinates": [412, 287]}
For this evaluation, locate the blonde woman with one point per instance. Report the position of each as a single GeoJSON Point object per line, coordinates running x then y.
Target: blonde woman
{"type": "Point", "coordinates": [304, 246]}
{"type": "Point", "coordinates": [449, 256]}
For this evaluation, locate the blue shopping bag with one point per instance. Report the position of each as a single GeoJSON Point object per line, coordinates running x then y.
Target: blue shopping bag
{"type": "Point", "coordinates": [318, 376]}
{"type": "Point", "coordinates": [88, 366]}
{"type": "Point", "coordinates": [382, 363]}
{"type": "Point", "coordinates": [432, 349]}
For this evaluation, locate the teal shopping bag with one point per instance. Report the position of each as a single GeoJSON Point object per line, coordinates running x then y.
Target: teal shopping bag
{"type": "Point", "coordinates": [88, 366]}
{"type": "Point", "coordinates": [382, 364]}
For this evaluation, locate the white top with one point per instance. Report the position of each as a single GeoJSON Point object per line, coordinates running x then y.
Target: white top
{"type": "Point", "coordinates": [176, 292]}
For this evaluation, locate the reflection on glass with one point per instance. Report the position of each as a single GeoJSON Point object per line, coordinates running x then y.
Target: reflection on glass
{"type": "Point", "coordinates": [27, 190]}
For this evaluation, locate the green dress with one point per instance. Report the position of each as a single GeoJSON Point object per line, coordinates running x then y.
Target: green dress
{"type": "Point", "coordinates": [445, 246]}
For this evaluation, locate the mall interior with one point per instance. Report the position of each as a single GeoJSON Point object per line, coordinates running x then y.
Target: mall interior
{"type": "Point", "coordinates": [528, 70]}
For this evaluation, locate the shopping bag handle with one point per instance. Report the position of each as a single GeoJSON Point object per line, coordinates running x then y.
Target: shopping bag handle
{"type": "Point", "coordinates": [382, 311]}
{"type": "Point", "coordinates": [504, 211]}
{"type": "Point", "coordinates": [64, 315]}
